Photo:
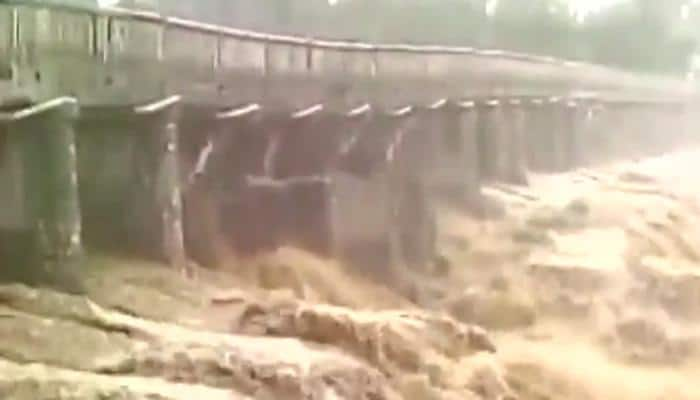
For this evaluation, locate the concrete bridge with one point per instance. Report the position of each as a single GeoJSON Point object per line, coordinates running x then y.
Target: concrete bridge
{"type": "Point", "coordinates": [168, 139]}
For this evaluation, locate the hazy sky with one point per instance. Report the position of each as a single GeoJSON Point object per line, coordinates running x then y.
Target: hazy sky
{"type": "Point", "coordinates": [582, 7]}
{"type": "Point", "coordinates": [588, 6]}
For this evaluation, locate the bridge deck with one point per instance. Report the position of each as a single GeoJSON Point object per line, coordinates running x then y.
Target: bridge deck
{"type": "Point", "coordinates": [121, 56]}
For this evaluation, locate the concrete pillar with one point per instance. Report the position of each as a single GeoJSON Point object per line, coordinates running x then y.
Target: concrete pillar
{"type": "Point", "coordinates": [515, 147]}
{"type": "Point", "coordinates": [549, 127]}
{"type": "Point", "coordinates": [687, 124]}
{"type": "Point", "coordinates": [571, 135]}
{"type": "Point", "coordinates": [694, 122]}
{"type": "Point", "coordinates": [130, 183]}
{"type": "Point", "coordinates": [445, 151]}
{"type": "Point", "coordinates": [206, 140]}
{"type": "Point", "coordinates": [656, 129]}
{"type": "Point", "coordinates": [637, 139]}
{"type": "Point", "coordinates": [416, 150]}
{"type": "Point", "coordinates": [535, 124]}
{"type": "Point", "coordinates": [681, 139]}
{"type": "Point", "coordinates": [609, 130]}
{"type": "Point", "coordinates": [585, 146]}
{"type": "Point", "coordinates": [374, 223]}
{"type": "Point", "coordinates": [470, 165]}
{"type": "Point", "coordinates": [160, 121]}
{"type": "Point", "coordinates": [493, 160]}
{"type": "Point", "coordinates": [560, 135]}
{"type": "Point", "coordinates": [625, 132]}
{"type": "Point", "coordinates": [50, 192]}
{"type": "Point", "coordinates": [677, 127]}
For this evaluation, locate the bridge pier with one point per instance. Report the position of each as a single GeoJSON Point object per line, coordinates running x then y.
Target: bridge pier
{"type": "Point", "coordinates": [549, 135]}
{"type": "Point", "coordinates": [470, 155]}
{"type": "Point", "coordinates": [492, 141]}
{"type": "Point", "coordinates": [129, 180]}
{"type": "Point", "coordinates": [560, 136]}
{"type": "Point", "coordinates": [603, 126]}
{"type": "Point", "coordinates": [380, 208]}
{"type": "Point", "coordinates": [656, 127]}
{"type": "Point", "coordinates": [575, 128]}
{"type": "Point", "coordinates": [692, 114]}
{"type": "Point", "coordinates": [162, 120]}
{"type": "Point", "coordinates": [586, 137]}
{"type": "Point", "coordinates": [515, 146]}
{"type": "Point", "coordinates": [45, 246]}
{"type": "Point", "coordinates": [458, 171]}
{"type": "Point", "coordinates": [638, 126]}
{"type": "Point", "coordinates": [691, 125]}
{"type": "Point", "coordinates": [212, 142]}
{"type": "Point", "coordinates": [676, 132]}
{"type": "Point", "coordinates": [443, 151]}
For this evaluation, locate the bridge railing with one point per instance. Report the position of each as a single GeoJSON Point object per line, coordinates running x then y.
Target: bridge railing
{"type": "Point", "coordinates": [55, 50]}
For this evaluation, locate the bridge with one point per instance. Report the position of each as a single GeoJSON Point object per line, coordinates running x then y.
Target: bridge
{"type": "Point", "coordinates": [172, 139]}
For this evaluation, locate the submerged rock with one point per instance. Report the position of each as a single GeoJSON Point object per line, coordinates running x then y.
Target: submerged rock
{"type": "Point", "coordinates": [641, 339]}
{"type": "Point", "coordinates": [493, 309]}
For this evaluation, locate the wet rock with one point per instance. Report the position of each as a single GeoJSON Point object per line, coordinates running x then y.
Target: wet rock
{"type": "Point", "coordinates": [572, 263]}
{"type": "Point", "coordinates": [418, 387]}
{"type": "Point", "coordinates": [636, 177]}
{"type": "Point", "coordinates": [83, 339]}
{"type": "Point", "coordinates": [578, 207]}
{"type": "Point", "coordinates": [29, 338]}
{"type": "Point", "coordinates": [570, 272]}
{"type": "Point", "coordinates": [32, 382]}
{"type": "Point", "coordinates": [529, 235]}
{"type": "Point", "coordinates": [641, 339]}
{"type": "Point", "coordinates": [49, 304]}
{"type": "Point", "coordinates": [487, 207]}
{"type": "Point", "coordinates": [493, 309]}
{"type": "Point", "coordinates": [547, 217]}
{"type": "Point", "coordinates": [533, 381]}
{"type": "Point", "coordinates": [393, 342]}
{"type": "Point", "coordinates": [441, 266]}
{"type": "Point", "coordinates": [565, 304]}
{"type": "Point", "coordinates": [192, 364]}
{"type": "Point", "coordinates": [273, 274]}
{"type": "Point", "coordinates": [488, 380]}
{"type": "Point", "coordinates": [673, 285]}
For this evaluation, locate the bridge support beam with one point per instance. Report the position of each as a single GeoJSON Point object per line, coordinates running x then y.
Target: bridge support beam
{"type": "Point", "coordinates": [50, 196]}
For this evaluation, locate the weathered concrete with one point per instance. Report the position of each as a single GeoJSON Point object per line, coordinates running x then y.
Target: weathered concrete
{"type": "Point", "coordinates": [514, 114]}
{"type": "Point", "coordinates": [41, 170]}
{"type": "Point", "coordinates": [129, 182]}
{"type": "Point", "coordinates": [297, 160]}
{"type": "Point", "coordinates": [491, 136]}
{"type": "Point", "coordinates": [121, 56]}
